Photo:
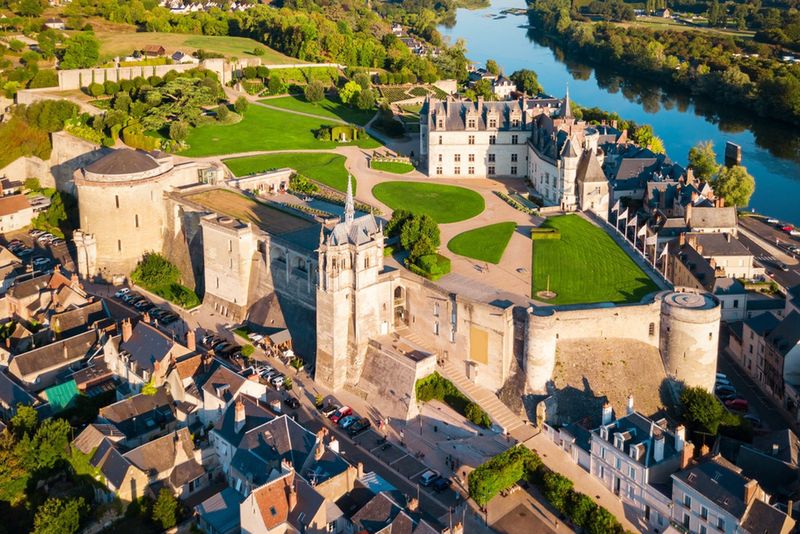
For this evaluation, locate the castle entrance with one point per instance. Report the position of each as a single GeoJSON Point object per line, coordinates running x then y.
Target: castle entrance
{"type": "Point", "coordinates": [400, 315]}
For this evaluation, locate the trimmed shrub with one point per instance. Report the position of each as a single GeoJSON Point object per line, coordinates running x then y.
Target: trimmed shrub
{"type": "Point", "coordinates": [499, 473]}
{"type": "Point", "coordinates": [138, 139]}
{"type": "Point", "coordinates": [434, 386]}
{"type": "Point", "coordinates": [538, 234]}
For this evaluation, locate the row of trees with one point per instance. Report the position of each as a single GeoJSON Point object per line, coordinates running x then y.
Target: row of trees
{"type": "Point", "coordinates": [718, 67]}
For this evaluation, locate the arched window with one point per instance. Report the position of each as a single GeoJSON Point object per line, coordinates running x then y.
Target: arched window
{"type": "Point", "coordinates": [398, 292]}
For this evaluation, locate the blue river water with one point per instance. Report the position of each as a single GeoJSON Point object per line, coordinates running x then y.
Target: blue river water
{"type": "Point", "coordinates": [770, 150]}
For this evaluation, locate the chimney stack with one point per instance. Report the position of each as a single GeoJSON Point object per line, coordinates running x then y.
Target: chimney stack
{"type": "Point", "coordinates": [359, 470]}
{"type": "Point", "coordinates": [686, 455]}
{"type": "Point", "coordinates": [320, 449]}
{"type": "Point", "coordinates": [658, 447]}
{"type": "Point", "coordinates": [65, 351]}
{"type": "Point", "coordinates": [292, 497]}
{"type": "Point", "coordinates": [750, 490]}
{"type": "Point", "coordinates": [680, 437]}
{"type": "Point", "coordinates": [721, 202]}
{"type": "Point", "coordinates": [146, 317]}
{"type": "Point", "coordinates": [191, 340]}
{"type": "Point", "coordinates": [789, 506]}
{"type": "Point", "coordinates": [127, 330]}
{"type": "Point", "coordinates": [630, 405]}
{"type": "Point", "coordinates": [682, 239]}
{"type": "Point", "coordinates": [413, 504]}
{"type": "Point", "coordinates": [607, 414]}
{"type": "Point", "coordinates": [334, 445]}
{"type": "Point", "coordinates": [239, 416]}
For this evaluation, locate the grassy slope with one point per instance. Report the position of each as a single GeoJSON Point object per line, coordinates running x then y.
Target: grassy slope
{"type": "Point", "coordinates": [395, 167]}
{"type": "Point", "coordinates": [445, 203]}
{"type": "Point", "coordinates": [329, 107]}
{"type": "Point", "coordinates": [485, 244]}
{"type": "Point", "coordinates": [586, 265]}
{"type": "Point", "coordinates": [261, 129]}
{"type": "Point", "coordinates": [323, 167]}
{"type": "Point", "coordinates": [114, 43]}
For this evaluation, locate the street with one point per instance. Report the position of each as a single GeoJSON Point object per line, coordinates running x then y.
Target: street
{"type": "Point", "coordinates": [778, 239]}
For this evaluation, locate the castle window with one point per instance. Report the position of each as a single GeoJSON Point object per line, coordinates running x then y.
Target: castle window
{"type": "Point", "coordinates": [398, 292]}
{"type": "Point", "coordinates": [514, 139]}
{"type": "Point", "coordinates": [366, 262]}
{"type": "Point", "coordinates": [492, 139]}
{"type": "Point", "coordinates": [440, 158]}
{"type": "Point", "coordinates": [471, 123]}
{"type": "Point", "coordinates": [457, 170]}
{"type": "Point", "coordinates": [493, 123]}
{"type": "Point", "coordinates": [471, 170]}
{"type": "Point", "coordinates": [652, 329]}
{"type": "Point", "coordinates": [513, 170]}
{"type": "Point", "coordinates": [441, 123]}
{"type": "Point", "coordinates": [136, 217]}
{"type": "Point", "coordinates": [116, 200]}
{"type": "Point", "coordinates": [491, 170]}
{"type": "Point", "coordinates": [436, 309]}
{"type": "Point", "coordinates": [440, 139]}
{"type": "Point", "coordinates": [438, 170]}
{"type": "Point", "coordinates": [230, 263]}
{"type": "Point", "coordinates": [342, 264]}
{"type": "Point", "coordinates": [710, 336]}
{"type": "Point", "coordinates": [119, 245]}
{"type": "Point", "coordinates": [515, 123]}
{"type": "Point", "coordinates": [471, 158]}
{"type": "Point", "coordinates": [491, 158]}
{"type": "Point", "coordinates": [457, 158]}
{"type": "Point", "coordinates": [514, 157]}
{"type": "Point", "coordinates": [230, 245]}
{"type": "Point", "coordinates": [436, 328]}
{"type": "Point", "coordinates": [471, 140]}
{"type": "Point", "coordinates": [218, 282]}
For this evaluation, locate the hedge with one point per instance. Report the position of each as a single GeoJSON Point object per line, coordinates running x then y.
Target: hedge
{"type": "Point", "coordinates": [538, 234]}
{"type": "Point", "coordinates": [501, 472]}
{"type": "Point", "coordinates": [435, 386]}
{"type": "Point", "coordinates": [431, 266]}
{"type": "Point", "coordinates": [141, 140]}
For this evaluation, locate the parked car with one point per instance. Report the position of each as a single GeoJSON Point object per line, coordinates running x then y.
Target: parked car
{"type": "Point", "coordinates": [141, 304]}
{"type": "Point", "coordinates": [347, 421]}
{"type": "Point", "coordinates": [40, 262]}
{"type": "Point", "coordinates": [724, 389]}
{"type": "Point", "coordinates": [57, 241]}
{"type": "Point", "coordinates": [341, 412]}
{"type": "Point", "coordinates": [754, 419]}
{"type": "Point", "coordinates": [332, 409]}
{"type": "Point", "coordinates": [24, 252]}
{"type": "Point", "coordinates": [362, 425]}
{"type": "Point", "coordinates": [428, 477]}
{"type": "Point", "coordinates": [441, 484]}
{"type": "Point", "coordinates": [739, 405]}
{"type": "Point", "coordinates": [292, 403]}
{"type": "Point", "coordinates": [277, 380]}
{"type": "Point", "coordinates": [773, 221]}
{"type": "Point", "coordinates": [255, 338]}
{"type": "Point", "coordinates": [722, 375]}
{"type": "Point", "coordinates": [121, 292]}
{"type": "Point", "coordinates": [783, 267]}
{"type": "Point", "coordinates": [723, 382]}
{"type": "Point", "coordinates": [33, 232]}
{"type": "Point", "coordinates": [727, 396]}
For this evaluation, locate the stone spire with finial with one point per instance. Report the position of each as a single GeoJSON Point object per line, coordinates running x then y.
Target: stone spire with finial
{"type": "Point", "coordinates": [349, 205]}
{"type": "Point", "coordinates": [567, 113]}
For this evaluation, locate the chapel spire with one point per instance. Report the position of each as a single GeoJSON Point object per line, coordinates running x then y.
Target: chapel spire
{"type": "Point", "coordinates": [567, 112]}
{"type": "Point", "coordinates": [349, 207]}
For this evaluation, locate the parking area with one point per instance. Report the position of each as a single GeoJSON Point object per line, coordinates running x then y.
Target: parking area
{"type": "Point", "coordinates": [38, 249]}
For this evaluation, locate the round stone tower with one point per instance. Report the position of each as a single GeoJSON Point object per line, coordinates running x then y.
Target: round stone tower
{"type": "Point", "coordinates": [690, 336]}
{"type": "Point", "coordinates": [540, 348]}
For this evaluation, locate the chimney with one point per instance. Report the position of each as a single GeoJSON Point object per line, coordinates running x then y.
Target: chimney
{"type": "Point", "coordinates": [608, 414]}
{"type": "Point", "coordinates": [286, 465]}
{"type": "Point", "coordinates": [320, 449]}
{"type": "Point", "coordinates": [127, 330]}
{"type": "Point", "coordinates": [682, 239]}
{"type": "Point", "coordinates": [292, 497]}
{"type": "Point", "coordinates": [359, 470]}
{"type": "Point", "coordinates": [413, 504]}
{"type": "Point", "coordinates": [688, 216]}
{"type": "Point", "coordinates": [692, 240]}
{"type": "Point", "coordinates": [721, 202]}
{"type": "Point", "coordinates": [789, 506]}
{"type": "Point", "coordinates": [686, 455]}
{"type": "Point", "coordinates": [334, 445]}
{"type": "Point", "coordinates": [658, 447]}
{"type": "Point", "coordinates": [74, 281]}
{"type": "Point", "coordinates": [775, 449]}
{"type": "Point", "coordinates": [704, 450]}
{"type": "Point", "coordinates": [680, 437]}
{"type": "Point", "coordinates": [750, 490]}
{"type": "Point", "coordinates": [630, 405]}
{"type": "Point", "coordinates": [146, 317]}
{"type": "Point", "coordinates": [239, 417]}
{"type": "Point", "coordinates": [728, 237]}
{"type": "Point", "coordinates": [695, 195]}
{"type": "Point", "coordinates": [65, 351]}
{"type": "Point", "coordinates": [191, 340]}
{"type": "Point", "coordinates": [699, 249]}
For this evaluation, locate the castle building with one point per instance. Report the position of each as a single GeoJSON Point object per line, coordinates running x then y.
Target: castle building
{"type": "Point", "coordinates": [122, 209]}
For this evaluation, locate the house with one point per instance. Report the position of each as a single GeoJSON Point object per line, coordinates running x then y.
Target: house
{"type": "Point", "coordinates": [40, 368]}
{"type": "Point", "coordinates": [30, 298]}
{"type": "Point", "coordinates": [15, 212]}
{"type": "Point", "coordinates": [79, 319]}
{"type": "Point", "coordinates": [502, 87]}
{"type": "Point", "coordinates": [754, 333]}
{"type": "Point", "coordinates": [663, 13]}
{"type": "Point", "coordinates": [55, 24]}
{"type": "Point", "coordinates": [219, 514]}
{"type": "Point", "coordinates": [122, 478]}
{"type": "Point", "coordinates": [142, 417]}
{"type": "Point", "coordinates": [719, 219]}
{"type": "Point", "coordinates": [10, 187]}
{"type": "Point", "coordinates": [13, 394]}
{"type": "Point", "coordinates": [772, 459]}
{"type": "Point", "coordinates": [154, 50]}
{"type": "Point", "coordinates": [712, 495]}
{"type": "Point", "coordinates": [634, 457]}
{"type": "Point", "coordinates": [181, 58]}
{"type": "Point", "coordinates": [93, 435]}
{"type": "Point", "coordinates": [782, 356]}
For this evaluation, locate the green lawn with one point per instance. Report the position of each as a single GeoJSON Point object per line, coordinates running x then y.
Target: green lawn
{"type": "Point", "coordinates": [329, 107]}
{"type": "Point", "coordinates": [262, 129]}
{"type": "Point", "coordinates": [395, 167]}
{"type": "Point", "coordinates": [444, 203]}
{"type": "Point", "coordinates": [485, 244]}
{"type": "Point", "coordinates": [586, 265]}
{"type": "Point", "coordinates": [323, 167]}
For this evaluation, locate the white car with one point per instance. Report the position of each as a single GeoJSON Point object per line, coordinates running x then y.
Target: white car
{"type": "Point", "coordinates": [122, 292]}
{"type": "Point", "coordinates": [255, 338]}
{"type": "Point", "coordinates": [277, 380]}
{"type": "Point", "coordinates": [40, 262]}
{"type": "Point", "coordinates": [773, 221]}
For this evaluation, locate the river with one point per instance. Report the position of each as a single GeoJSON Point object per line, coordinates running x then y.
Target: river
{"type": "Point", "coordinates": [770, 151]}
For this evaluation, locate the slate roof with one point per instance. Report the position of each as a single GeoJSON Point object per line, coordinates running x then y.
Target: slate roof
{"type": "Point", "coordinates": [91, 436]}
{"type": "Point", "coordinates": [359, 232]}
{"type": "Point", "coordinates": [221, 511]}
{"type": "Point", "coordinates": [380, 512]}
{"type": "Point", "coordinates": [787, 334]}
{"type": "Point", "coordinates": [12, 393]}
{"type": "Point", "coordinates": [639, 429]}
{"type": "Point", "coordinates": [140, 414]}
{"type": "Point", "coordinates": [727, 286]}
{"type": "Point", "coordinates": [111, 463]}
{"type": "Point", "coordinates": [787, 441]}
{"type": "Point", "coordinates": [162, 454]}
{"type": "Point", "coordinates": [57, 354]}
{"type": "Point", "coordinates": [185, 473]}
{"type": "Point", "coordinates": [281, 439]}
{"type": "Point", "coordinates": [123, 161]}
{"type": "Point", "coordinates": [589, 169]}
{"type": "Point", "coordinates": [148, 345]}
{"type": "Point", "coordinates": [255, 415]}
{"type": "Point", "coordinates": [71, 321]}
{"type": "Point", "coordinates": [719, 481]}
{"type": "Point", "coordinates": [223, 384]}
{"type": "Point", "coordinates": [762, 518]}
{"type": "Point", "coordinates": [763, 323]}
{"type": "Point", "coordinates": [719, 244]}
{"type": "Point", "coordinates": [713, 217]}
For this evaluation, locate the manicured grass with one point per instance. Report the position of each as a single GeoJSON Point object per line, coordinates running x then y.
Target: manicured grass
{"type": "Point", "coordinates": [444, 203]}
{"type": "Point", "coordinates": [115, 43]}
{"type": "Point", "coordinates": [396, 167]}
{"type": "Point", "coordinates": [262, 129]}
{"type": "Point", "coordinates": [329, 107]}
{"type": "Point", "coordinates": [485, 244]}
{"type": "Point", "coordinates": [323, 167]}
{"type": "Point", "coordinates": [586, 265]}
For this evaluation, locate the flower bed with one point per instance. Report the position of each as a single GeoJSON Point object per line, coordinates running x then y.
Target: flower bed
{"type": "Point", "coordinates": [514, 204]}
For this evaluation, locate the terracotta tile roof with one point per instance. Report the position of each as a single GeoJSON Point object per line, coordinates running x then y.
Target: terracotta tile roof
{"type": "Point", "coordinates": [189, 367]}
{"type": "Point", "coordinates": [272, 500]}
{"type": "Point", "coordinates": [13, 204]}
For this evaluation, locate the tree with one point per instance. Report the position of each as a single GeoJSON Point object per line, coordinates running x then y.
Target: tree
{"type": "Point", "coordinates": [96, 89]}
{"type": "Point", "coordinates": [178, 131]}
{"type": "Point", "coordinates": [526, 81]}
{"type": "Point", "coordinates": [30, 8]}
{"type": "Point", "coordinates": [241, 105]}
{"type": "Point", "coordinates": [703, 160]}
{"type": "Point", "coordinates": [315, 91]}
{"type": "Point", "coordinates": [223, 113]}
{"type": "Point", "coordinates": [165, 509]}
{"type": "Point", "coordinates": [276, 85]}
{"type": "Point", "coordinates": [644, 136]}
{"type": "Point", "coordinates": [702, 409]}
{"type": "Point", "coordinates": [57, 516]}
{"type": "Point", "coordinates": [365, 99]}
{"type": "Point", "coordinates": [51, 443]}
{"type": "Point", "coordinates": [492, 67]}
{"type": "Point", "coordinates": [349, 92]}
{"type": "Point", "coordinates": [362, 79]}
{"type": "Point", "coordinates": [25, 420]}
{"type": "Point", "coordinates": [155, 270]}
{"type": "Point", "coordinates": [395, 224]}
{"type": "Point", "coordinates": [420, 229]}
{"type": "Point", "coordinates": [81, 51]}
{"type": "Point", "coordinates": [557, 489]}
{"type": "Point", "coordinates": [734, 184]}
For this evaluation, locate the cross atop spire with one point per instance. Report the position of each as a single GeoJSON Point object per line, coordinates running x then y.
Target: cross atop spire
{"type": "Point", "coordinates": [567, 112]}
{"type": "Point", "coordinates": [349, 205]}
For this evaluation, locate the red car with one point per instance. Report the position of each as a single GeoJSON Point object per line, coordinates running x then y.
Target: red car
{"type": "Point", "coordinates": [739, 405]}
{"type": "Point", "coordinates": [340, 413]}
{"type": "Point", "coordinates": [787, 228]}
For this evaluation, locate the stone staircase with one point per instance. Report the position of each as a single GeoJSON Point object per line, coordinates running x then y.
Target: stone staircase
{"type": "Point", "coordinates": [487, 400]}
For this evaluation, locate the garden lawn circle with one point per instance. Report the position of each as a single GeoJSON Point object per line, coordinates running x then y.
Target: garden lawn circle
{"type": "Point", "coordinates": [395, 167]}
{"type": "Point", "coordinates": [443, 203]}
{"type": "Point", "coordinates": [585, 265]}
{"type": "Point", "coordinates": [323, 167]}
{"type": "Point", "coordinates": [486, 243]}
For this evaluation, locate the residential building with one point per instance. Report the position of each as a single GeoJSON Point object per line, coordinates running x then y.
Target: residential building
{"type": "Point", "coordinates": [15, 212]}
{"type": "Point", "coordinates": [754, 333]}
{"type": "Point", "coordinates": [502, 87]}
{"type": "Point", "coordinates": [219, 514]}
{"type": "Point", "coordinates": [782, 356]}
{"type": "Point", "coordinates": [55, 24]}
{"type": "Point", "coordinates": [141, 418]}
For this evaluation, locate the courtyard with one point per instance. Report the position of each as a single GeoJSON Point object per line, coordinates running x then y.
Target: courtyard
{"type": "Point", "coordinates": [443, 203]}
{"type": "Point", "coordinates": [585, 266]}
{"type": "Point", "coordinates": [323, 167]}
{"type": "Point", "coordinates": [486, 243]}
